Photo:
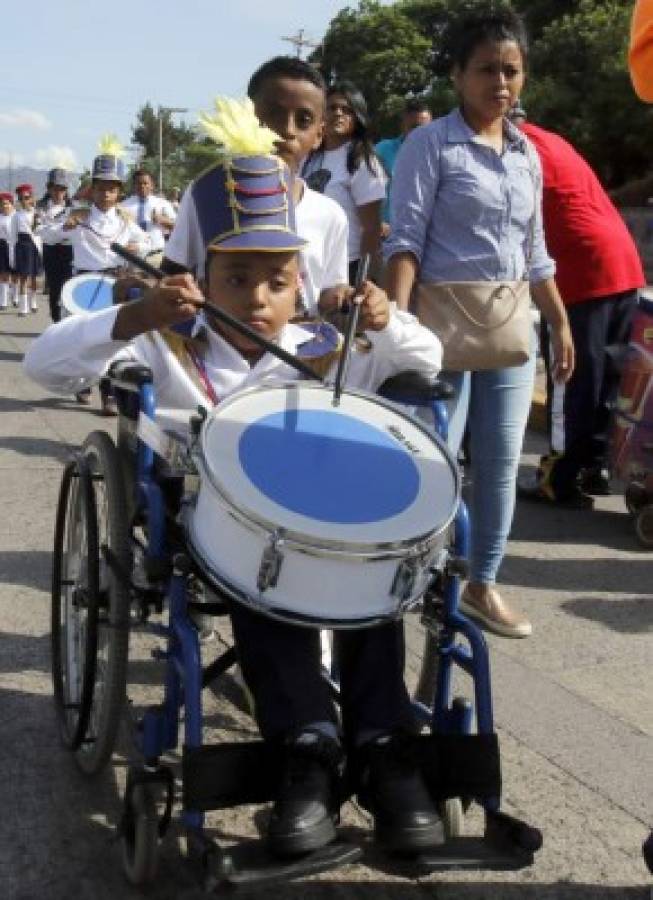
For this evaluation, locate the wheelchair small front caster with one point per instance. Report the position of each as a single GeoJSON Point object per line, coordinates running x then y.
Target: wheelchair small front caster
{"type": "Point", "coordinates": [139, 837]}
{"type": "Point", "coordinates": [644, 526]}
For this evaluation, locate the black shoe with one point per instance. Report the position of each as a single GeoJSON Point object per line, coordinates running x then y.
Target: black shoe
{"type": "Point", "coordinates": [306, 811]}
{"type": "Point", "coordinates": [539, 491]}
{"type": "Point", "coordinates": [596, 481]}
{"type": "Point", "coordinates": [392, 788]}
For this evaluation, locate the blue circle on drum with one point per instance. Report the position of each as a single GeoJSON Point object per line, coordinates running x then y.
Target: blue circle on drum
{"type": "Point", "coordinates": [93, 294]}
{"type": "Point", "coordinates": [329, 466]}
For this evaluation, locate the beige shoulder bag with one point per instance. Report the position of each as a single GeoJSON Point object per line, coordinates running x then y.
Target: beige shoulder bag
{"type": "Point", "coordinates": [481, 324]}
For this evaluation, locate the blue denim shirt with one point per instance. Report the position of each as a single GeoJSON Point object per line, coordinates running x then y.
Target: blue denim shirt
{"type": "Point", "coordinates": [464, 211]}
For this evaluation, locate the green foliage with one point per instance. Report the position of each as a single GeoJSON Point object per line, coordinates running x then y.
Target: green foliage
{"type": "Point", "coordinates": [177, 139]}
{"type": "Point", "coordinates": [579, 85]}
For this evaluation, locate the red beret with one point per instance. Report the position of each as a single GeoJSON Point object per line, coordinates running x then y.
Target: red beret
{"type": "Point", "coordinates": [6, 196]}
{"type": "Point", "coordinates": [24, 189]}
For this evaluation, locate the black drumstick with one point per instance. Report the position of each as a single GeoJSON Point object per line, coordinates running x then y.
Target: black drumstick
{"type": "Point", "coordinates": [350, 333]}
{"type": "Point", "coordinates": [222, 316]}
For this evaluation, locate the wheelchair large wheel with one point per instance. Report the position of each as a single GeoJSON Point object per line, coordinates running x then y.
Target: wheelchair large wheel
{"type": "Point", "coordinates": [75, 603]}
{"type": "Point", "coordinates": [114, 565]}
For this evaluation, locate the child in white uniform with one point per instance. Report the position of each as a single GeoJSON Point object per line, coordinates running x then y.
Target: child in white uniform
{"type": "Point", "coordinates": [6, 247]}
{"type": "Point", "coordinates": [245, 212]}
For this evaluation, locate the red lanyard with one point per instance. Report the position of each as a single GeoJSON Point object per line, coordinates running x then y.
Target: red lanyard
{"type": "Point", "coordinates": [203, 375]}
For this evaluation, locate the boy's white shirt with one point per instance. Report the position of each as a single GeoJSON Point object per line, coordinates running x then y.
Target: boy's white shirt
{"type": "Point", "coordinates": [319, 220]}
{"type": "Point", "coordinates": [75, 353]}
{"type": "Point", "coordinates": [91, 240]}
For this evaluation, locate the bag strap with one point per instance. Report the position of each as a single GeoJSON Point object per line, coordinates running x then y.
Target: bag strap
{"type": "Point", "coordinates": [483, 325]}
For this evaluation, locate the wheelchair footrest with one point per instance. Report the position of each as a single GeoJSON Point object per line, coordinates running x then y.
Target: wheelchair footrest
{"type": "Point", "coordinates": [250, 863]}
{"type": "Point", "coordinates": [232, 774]}
{"type": "Point", "coordinates": [508, 844]}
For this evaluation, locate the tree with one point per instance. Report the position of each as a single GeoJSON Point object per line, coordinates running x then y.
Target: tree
{"type": "Point", "coordinates": [382, 51]}
{"type": "Point", "coordinates": [579, 86]}
{"type": "Point", "coordinates": [176, 139]}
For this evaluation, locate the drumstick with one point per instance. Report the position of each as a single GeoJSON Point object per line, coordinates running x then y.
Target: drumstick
{"type": "Point", "coordinates": [352, 322]}
{"type": "Point", "coordinates": [222, 316]}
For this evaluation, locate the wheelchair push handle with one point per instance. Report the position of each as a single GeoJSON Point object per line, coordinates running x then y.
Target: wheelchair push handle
{"type": "Point", "coordinates": [415, 388]}
{"type": "Point", "coordinates": [223, 317]}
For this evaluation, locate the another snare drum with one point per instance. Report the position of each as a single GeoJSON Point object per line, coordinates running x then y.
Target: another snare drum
{"type": "Point", "coordinates": [88, 293]}
{"type": "Point", "coordinates": [320, 515]}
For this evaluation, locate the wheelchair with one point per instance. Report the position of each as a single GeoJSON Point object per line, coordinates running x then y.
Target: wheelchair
{"type": "Point", "coordinates": [122, 563]}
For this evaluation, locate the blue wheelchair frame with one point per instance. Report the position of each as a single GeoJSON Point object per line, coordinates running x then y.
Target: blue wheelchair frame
{"type": "Point", "coordinates": [185, 677]}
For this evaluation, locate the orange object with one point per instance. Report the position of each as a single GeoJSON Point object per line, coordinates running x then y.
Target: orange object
{"type": "Point", "coordinates": [640, 54]}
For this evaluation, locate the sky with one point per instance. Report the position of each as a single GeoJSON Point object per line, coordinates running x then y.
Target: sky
{"type": "Point", "coordinates": [77, 69]}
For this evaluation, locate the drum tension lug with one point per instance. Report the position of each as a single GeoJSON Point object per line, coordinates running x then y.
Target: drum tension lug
{"type": "Point", "coordinates": [405, 577]}
{"type": "Point", "coordinates": [268, 573]}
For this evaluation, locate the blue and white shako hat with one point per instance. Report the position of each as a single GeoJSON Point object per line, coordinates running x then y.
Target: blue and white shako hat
{"type": "Point", "coordinates": [58, 177]}
{"type": "Point", "coordinates": [244, 201]}
{"type": "Point", "coordinates": [108, 166]}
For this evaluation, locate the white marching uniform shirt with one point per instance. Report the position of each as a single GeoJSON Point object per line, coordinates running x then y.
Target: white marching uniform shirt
{"type": "Point", "coordinates": [318, 219]}
{"type": "Point", "coordinates": [74, 354]}
{"type": "Point", "coordinates": [151, 205]}
{"type": "Point", "coordinates": [52, 214]}
{"type": "Point", "coordinates": [7, 234]}
{"type": "Point", "coordinates": [92, 238]}
{"type": "Point", "coordinates": [23, 223]}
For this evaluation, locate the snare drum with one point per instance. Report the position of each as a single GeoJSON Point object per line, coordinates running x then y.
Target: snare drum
{"type": "Point", "coordinates": [328, 516]}
{"type": "Point", "coordinates": [88, 293]}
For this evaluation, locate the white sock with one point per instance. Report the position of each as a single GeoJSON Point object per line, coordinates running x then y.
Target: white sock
{"type": "Point", "coordinates": [32, 301]}
{"type": "Point", "coordinates": [23, 305]}
{"type": "Point", "coordinates": [4, 295]}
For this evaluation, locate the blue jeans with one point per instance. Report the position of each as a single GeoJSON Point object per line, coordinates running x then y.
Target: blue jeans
{"type": "Point", "coordinates": [495, 404]}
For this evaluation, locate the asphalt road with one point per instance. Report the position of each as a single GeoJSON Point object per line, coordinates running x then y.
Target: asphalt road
{"type": "Point", "coordinates": [573, 704]}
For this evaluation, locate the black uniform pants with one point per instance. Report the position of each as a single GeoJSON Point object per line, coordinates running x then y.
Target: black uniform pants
{"type": "Point", "coordinates": [58, 268]}
{"type": "Point", "coordinates": [282, 667]}
{"type": "Point", "coordinates": [586, 399]}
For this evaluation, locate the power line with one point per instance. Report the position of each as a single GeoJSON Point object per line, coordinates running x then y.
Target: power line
{"type": "Point", "coordinates": [299, 42]}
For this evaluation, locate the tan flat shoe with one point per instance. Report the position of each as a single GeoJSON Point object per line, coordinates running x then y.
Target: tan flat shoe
{"type": "Point", "coordinates": [484, 604]}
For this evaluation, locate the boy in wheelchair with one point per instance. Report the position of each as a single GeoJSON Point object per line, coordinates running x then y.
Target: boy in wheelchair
{"type": "Point", "coordinates": [244, 209]}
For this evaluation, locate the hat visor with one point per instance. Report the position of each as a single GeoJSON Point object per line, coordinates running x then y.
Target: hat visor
{"type": "Point", "coordinates": [103, 177]}
{"type": "Point", "coordinates": [260, 241]}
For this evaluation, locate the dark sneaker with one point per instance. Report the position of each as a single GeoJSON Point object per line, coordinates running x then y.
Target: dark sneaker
{"type": "Point", "coordinates": [392, 788]}
{"type": "Point", "coordinates": [306, 811]}
{"type": "Point", "coordinates": [596, 481]}
{"type": "Point", "coordinates": [539, 491]}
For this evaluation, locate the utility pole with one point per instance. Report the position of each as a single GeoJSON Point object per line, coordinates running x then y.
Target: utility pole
{"type": "Point", "coordinates": [162, 111]}
{"type": "Point", "coordinates": [299, 42]}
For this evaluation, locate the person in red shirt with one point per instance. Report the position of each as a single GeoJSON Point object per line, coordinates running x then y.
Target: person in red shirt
{"type": "Point", "coordinates": [598, 273]}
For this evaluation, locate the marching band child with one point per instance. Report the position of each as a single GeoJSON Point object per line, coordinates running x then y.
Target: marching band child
{"type": "Point", "coordinates": [92, 230]}
{"type": "Point", "coordinates": [244, 209]}
{"type": "Point", "coordinates": [27, 254]}
{"type": "Point", "coordinates": [6, 247]}
{"type": "Point", "coordinates": [57, 257]}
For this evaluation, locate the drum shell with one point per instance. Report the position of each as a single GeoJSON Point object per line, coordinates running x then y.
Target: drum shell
{"type": "Point", "coordinates": [326, 588]}
{"type": "Point", "coordinates": [321, 581]}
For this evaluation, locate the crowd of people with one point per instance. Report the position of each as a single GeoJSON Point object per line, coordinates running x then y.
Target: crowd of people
{"type": "Point", "coordinates": [473, 197]}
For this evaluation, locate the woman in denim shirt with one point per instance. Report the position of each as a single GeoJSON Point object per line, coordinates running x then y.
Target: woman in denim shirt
{"type": "Point", "coordinates": [465, 190]}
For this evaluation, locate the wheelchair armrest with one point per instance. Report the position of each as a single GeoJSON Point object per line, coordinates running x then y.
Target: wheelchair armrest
{"type": "Point", "coordinates": [130, 375]}
{"type": "Point", "coordinates": [415, 388]}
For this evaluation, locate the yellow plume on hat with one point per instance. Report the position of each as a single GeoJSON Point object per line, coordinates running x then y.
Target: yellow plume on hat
{"type": "Point", "coordinates": [110, 145]}
{"type": "Point", "coordinates": [234, 126]}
